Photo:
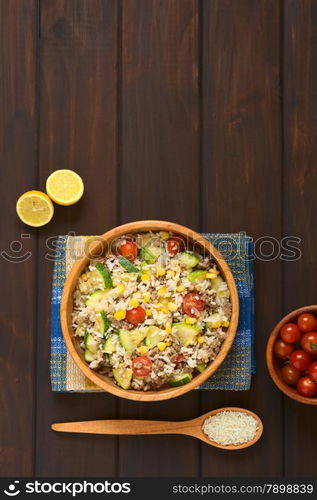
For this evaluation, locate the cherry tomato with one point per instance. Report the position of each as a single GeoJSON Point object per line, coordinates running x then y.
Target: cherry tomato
{"type": "Point", "coordinates": [290, 333]}
{"type": "Point", "coordinates": [129, 250]}
{"type": "Point", "coordinates": [309, 343]}
{"type": "Point", "coordinates": [313, 371]}
{"type": "Point", "coordinates": [307, 322]}
{"type": "Point", "coordinates": [282, 349]}
{"type": "Point", "coordinates": [136, 315]}
{"type": "Point", "coordinates": [290, 374]}
{"type": "Point", "coordinates": [175, 244]}
{"type": "Point", "coordinates": [179, 358]}
{"type": "Point", "coordinates": [141, 366]}
{"type": "Point", "coordinates": [307, 387]}
{"type": "Point", "coordinates": [300, 360]}
{"type": "Point", "coordinates": [193, 305]}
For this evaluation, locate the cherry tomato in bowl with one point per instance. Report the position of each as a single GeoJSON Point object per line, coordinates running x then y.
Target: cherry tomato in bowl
{"type": "Point", "coordinates": [307, 322]}
{"type": "Point", "coordinates": [290, 374]}
{"type": "Point", "coordinates": [193, 305]}
{"type": "Point", "coordinates": [175, 244]}
{"type": "Point", "coordinates": [282, 349]}
{"type": "Point", "coordinates": [313, 371]}
{"type": "Point", "coordinates": [288, 371]}
{"type": "Point", "coordinates": [290, 333]}
{"type": "Point", "coordinates": [307, 387]}
{"type": "Point", "coordinates": [135, 316]}
{"type": "Point", "coordinates": [309, 343]}
{"type": "Point", "coordinates": [141, 366]}
{"type": "Point", "coordinates": [129, 250]}
{"type": "Point", "coordinates": [300, 360]}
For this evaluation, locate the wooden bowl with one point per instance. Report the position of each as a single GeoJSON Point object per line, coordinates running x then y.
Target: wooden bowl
{"type": "Point", "coordinates": [97, 248]}
{"type": "Point", "coordinates": [275, 365]}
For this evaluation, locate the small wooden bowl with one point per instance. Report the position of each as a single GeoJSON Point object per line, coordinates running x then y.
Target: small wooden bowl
{"type": "Point", "coordinates": [275, 365]}
{"type": "Point", "coordinates": [100, 246]}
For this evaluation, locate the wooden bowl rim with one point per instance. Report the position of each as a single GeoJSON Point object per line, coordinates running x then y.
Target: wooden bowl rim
{"type": "Point", "coordinates": [286, 389]}
{"type": "Point", "coordinates": [105, 382]}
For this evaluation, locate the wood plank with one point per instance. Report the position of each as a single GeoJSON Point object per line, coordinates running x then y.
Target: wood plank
{"type": "Point", "coordinates": [160, 179]}
{"type": "Point", "coordinates": [18, 139]}
{"type": "Point", "coordinates": [241, 191]}
{"type": "Point", "coordinates": [300, 204]}
{"type": "Point", "coordinates": [78, 131]}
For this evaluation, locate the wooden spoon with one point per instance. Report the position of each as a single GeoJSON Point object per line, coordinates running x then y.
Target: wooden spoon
{"type": "Point", "coordinates": [188, 427]}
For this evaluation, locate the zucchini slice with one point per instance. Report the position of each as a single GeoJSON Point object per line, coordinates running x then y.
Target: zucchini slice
{"type": "Point", "coordinates": [181, 379]}
{"type": "Point", "coordinates": [110, 344]}
{"type": "Point", "coordinates": [197, 275]}
{"type": "Point", "coordinates": [154, 335]}
{"type": "Point", "coordinates": [123, 377]}
{"type": "Point", "coordinates": [130, 339]}
{"type": "Point", "coordinates": [102, 324]}
{"type": "Point", "coordinates": [186, 333]}
{"type": "Point", "coordinates": [189, 260]}
{"type": "Point", "coordinates": [97, 300]}
{"type": "Point", "coordinates": [105, 274]}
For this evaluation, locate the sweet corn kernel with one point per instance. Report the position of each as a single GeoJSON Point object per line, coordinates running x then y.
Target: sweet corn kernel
{"type": "Point", "coordinates": [225, 324]}
{"type": "Point", "coordinates": [180, 288]}
{"type": "Point", "coordinates": [145, 278]}
{"type": "Point", "coordinates": [170, 273]}
{"type": "Point", "coordinates": [148, 312]}
{"type": "Point", "coordinates": [212, 274]}
{"type": "Point", "coordinates": [201, 340]}
{"type": "Point", "coordinates": [168, 327]}
{"type": "Point", "coordinates": [160, 271]}
{"type": "Point", "coordinates": [120, 288]}
{"type": "Point", "coordinates": [172, 306]}
{"type": "Point", "coordinates": [147, 297]}
{"type": "Point", "coordinates": [168, 343]}
{"type": "Point", "coordinates": [161, 291]}
{"type": "Point", "coordinates": [143, 349]}
{"type": "Point", "coordinates": [118, 315]}
{"type": "Point", "coordinates": [134, 303]}
{"type": "Point", "coordinates": [163, 309]}
{"type": "Point", "coordinates": [190, 321]}
{"type": "Point", "coordinates": [162, 346]}
{"type": "Point", "coordinates": [216, 324]}
{"type": "Point", "coordinates": [84, 276]}
{"type": "Point", "coordinates": [164, 235]}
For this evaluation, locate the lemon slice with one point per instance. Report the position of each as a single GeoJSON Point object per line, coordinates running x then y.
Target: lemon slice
{"type": "Point", "coordinates": [65, 187]}
{"type": "Point", "coordinates": [35, 208]}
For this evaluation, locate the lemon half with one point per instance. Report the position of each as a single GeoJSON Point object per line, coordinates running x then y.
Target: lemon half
{"type": "Point", "coordinates": [35, 208]}
{"type": "Point", "coordinates": [65, 187]}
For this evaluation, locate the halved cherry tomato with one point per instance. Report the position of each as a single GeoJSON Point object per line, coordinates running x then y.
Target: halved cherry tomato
{"type": "Point", "coordinates": [309, 343]}
{"type": "Point", "coordinates": [300, 360]}
{"type": "Point", "coordinates": [313, 371]}
{"type": "Point", "coordinates": [193, 305]}
{"type": "Point", "coordinates": [179, 358]}
{"type": "Point", "coordinates": [290, 333]}
{"type": "Point", "coordinates": [175, 244]}
{"type": "Point", "coordinates": [290, 374]}
{"type": "Point", "coordinates": [129, 250]}
{"type": "Point", "coordinates": [141, 366]}
{"type": "Point", "coordinates": [307, 387]}
{"type": "Point", "coordinates": [282, 349]}
{"type": "Point", "coordinates": [307, 322]}
{"type": "Point", "coordinates": [136, 315]}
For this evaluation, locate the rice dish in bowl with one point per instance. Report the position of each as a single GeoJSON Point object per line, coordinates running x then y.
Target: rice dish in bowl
{"type": "Point", "coordinates": [152, 313]}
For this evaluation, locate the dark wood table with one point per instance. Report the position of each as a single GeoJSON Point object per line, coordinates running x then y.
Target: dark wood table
{"type": "Point", "coordinates": [199, 112]}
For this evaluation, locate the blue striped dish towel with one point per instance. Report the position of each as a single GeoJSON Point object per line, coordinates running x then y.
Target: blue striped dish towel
{"type": "Point", "coordinates": [234, 373]}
